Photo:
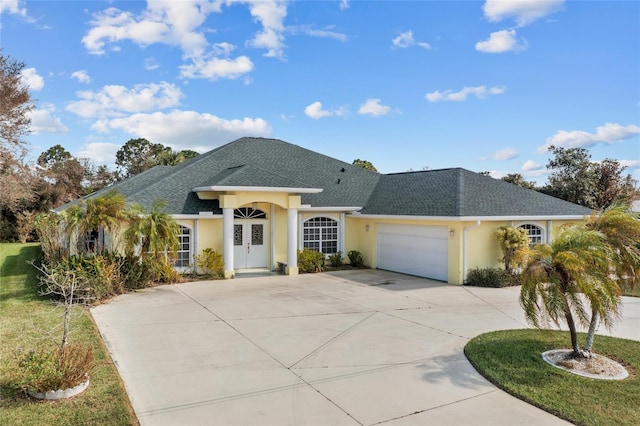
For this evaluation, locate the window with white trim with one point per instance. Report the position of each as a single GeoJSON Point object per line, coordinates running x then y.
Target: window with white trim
{"type": "Point", "coordinates": [183, 258]}
{"type": "Point", "coordinates": [535, 233]}
{"type": "Point", "coordinates": [320, 234]}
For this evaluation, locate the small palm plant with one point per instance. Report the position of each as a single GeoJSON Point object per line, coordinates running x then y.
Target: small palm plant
{"type": "Point", "coordinates": [154, 232]}
{"type": "Point", "coordinates": [622, 232]}
{"type": "Point", "coordinates": [568, 280]}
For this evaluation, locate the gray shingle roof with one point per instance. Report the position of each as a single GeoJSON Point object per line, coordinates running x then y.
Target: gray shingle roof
{"type": "Point", "coordinates": [252, 176]}
{"type": "Point", "coordinates": [461, 193]}
{"type": "Point", "coordinates": [275, 163]}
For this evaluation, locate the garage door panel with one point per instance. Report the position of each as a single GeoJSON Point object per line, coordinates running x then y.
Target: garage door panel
{"type": "Point", "coordinates": [415, 250]}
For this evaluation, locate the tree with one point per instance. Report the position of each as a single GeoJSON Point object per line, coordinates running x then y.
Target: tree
{"type": "Point", "coordinates": [575, 178]}
{"type": "Point", "coordinates": [138, 155]}
{"type": "Point", "coordinates": [365, 165]}
{"type": "Point", "coordinates": [64, 172]}
{"type": "Point", "coordinates": [135, 157]}
{"type": "Point", "coordinates": [106, 213]}
{"type": "Point", "coordinates": [16, 179]}
{"type": "Point", "coordinates": [518, 179]}
{"type": "Point", "coordinates": [511, 240]}
{"type": "Point", "coordinates": [622, 233]}
{"type": "Point", "coordinates": [15, 104]}
{"type": "Point", "coordinates": [568, 279]}
{"type": "Point", "coordinates": [155, 232]}
{"type": "Point", "coordinates": [612, 186]}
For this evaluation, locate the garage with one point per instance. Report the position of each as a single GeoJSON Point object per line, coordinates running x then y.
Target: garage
{"type": "Point", "coordinates": [414, 249]}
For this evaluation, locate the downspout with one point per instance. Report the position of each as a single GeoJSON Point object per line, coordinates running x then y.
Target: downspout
{"type": "Point", "coordinates": [464, 248]}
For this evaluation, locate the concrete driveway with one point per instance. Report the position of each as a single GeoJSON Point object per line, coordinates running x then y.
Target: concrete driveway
{"type": "Point", "coordinates": [345, 348]}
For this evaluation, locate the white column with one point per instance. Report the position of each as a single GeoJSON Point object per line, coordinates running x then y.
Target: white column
{"type": "Point", "coordinates": [292, 241]}
{"type": "Point", "coordinates": [227, 242]}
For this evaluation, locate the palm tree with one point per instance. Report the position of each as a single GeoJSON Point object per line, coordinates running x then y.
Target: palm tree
{"type": "Point", "coordinates": [155, 232]}
{"type": "Point", "coordinates": [622, 232]}
{"type": "Point", "coordinates": [568, 279]}
{"type": "Point", "coordinates": [106, 213]}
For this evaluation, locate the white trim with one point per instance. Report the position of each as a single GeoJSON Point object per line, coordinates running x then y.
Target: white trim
{"type": "Point", "coordinates": [190, 259]}
{"type": "Point", "coordinates": [467, 218]}
{"type": "Point", "coordinates": [256, 189]}
{"type": "Point", "coordinates": [196, 216]}
{"type": "Point", "coordinates": [309, 208]}
{"type": "Point", "coordinates": [272, 231]}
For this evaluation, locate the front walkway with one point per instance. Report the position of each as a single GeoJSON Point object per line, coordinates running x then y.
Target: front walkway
{"type": "Point", "coordinates": [344, 348]}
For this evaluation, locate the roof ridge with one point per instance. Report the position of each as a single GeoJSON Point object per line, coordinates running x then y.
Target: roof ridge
{"type": "Point", "coordinates": [459, 192]}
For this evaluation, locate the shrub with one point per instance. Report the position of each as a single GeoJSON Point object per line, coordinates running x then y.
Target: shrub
{"type": "Point", "coordinates": [48, 369]}
{"type": "Point", "coordinates": [310, 260]}
{"type": "Point", "coordinates": [355, 258]}
{"type": "Point", "coordinates": [511, 240]}
{"type": "Point", "coordinates": [211, 263]}
{"type": "Point", "coordinates": [491, 277]}
{"type": "Point", "coordinates": [336, 259]}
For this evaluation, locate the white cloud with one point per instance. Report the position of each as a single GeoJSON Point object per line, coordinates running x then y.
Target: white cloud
{"type": "Point", "coordinates": [630, 164]}
{"type": "Point", "coordinates": [180, 23]}
{"type": "Point", "coordinates": [43, 120]}
{"type": "Point", "coordinates": [316, 112]}
{"type": "Point", "coordinates": [608, 133]}
{"type": "Point", "coordinates": [168, 22]}
{"type": "Point", "coordinates": [271, 15]}
{"type": "Point", "coordinates": [13, 7]}
{"type": "Point", "coordinates": [151, 63]}
{"type": "Point", "coordinates": [113, 99]}
{"type": "Point", "coordinates": [530, 166]}
{"type": "Point", "coordinates": [81, 76]}
{"type": "Point", "coordinates": [186, 129]}
{"type": "Point", "coordinates": [99, 152]}
{"type": "Point", "coordinates": [373, 107]}
{"type": "Point", "coordinates": [501, 41]}
{"type": "Point", "coordinates": [215, 68]}
{"type": "Point", "coordinates": [32, 79]}
{"type": "Point", "coordinates": [344, 4]}
{"type": "Point", "coordinates": [406, 39]}
{"type": "Point", "coordinates": [502, 155]}
{"type": "Point", "coordinates": [313, 32]}
{"type": "Point", "coordinates": [523, 12]}
{"type": "Point", "coordinates": [480, 92]}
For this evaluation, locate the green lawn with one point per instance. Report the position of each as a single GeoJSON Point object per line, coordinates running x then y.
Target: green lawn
{"type": "Point", "coordinates": [512, 360]}
{"type": "Point", "coordinates": [628, 291]}
{"type": "Point", "coordinates": [26, 320]}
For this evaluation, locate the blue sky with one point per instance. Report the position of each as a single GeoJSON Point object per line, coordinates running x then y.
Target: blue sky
{"type": "Point", "coordinates": [406, 85]}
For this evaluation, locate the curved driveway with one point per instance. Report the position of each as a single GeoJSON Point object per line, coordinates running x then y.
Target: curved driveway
{"type": "Point", "coordinates": [344, 348]}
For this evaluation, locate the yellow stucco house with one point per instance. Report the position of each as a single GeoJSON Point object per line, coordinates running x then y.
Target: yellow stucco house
{"type": "Point", "coordinates": [257, 201]}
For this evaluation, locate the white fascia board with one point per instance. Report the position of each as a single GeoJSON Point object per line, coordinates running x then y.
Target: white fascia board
{"type": "Point", "coordinates": [467, 218]}
{"type": "Point", "coordinates": [308, 208]}
{"type": "Point", "coordinates": [196, 216]}
{"type": "Point", "coordinates": [256, 189]}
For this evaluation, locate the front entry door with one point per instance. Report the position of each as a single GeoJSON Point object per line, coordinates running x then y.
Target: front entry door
{"type": "Point", "coordinates": [250, 250]}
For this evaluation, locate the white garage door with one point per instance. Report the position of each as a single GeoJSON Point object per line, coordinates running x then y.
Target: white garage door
{"type": "Point", "coordinates": [415, 250]}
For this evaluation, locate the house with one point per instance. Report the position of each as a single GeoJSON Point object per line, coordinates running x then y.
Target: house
{"type": "Point", "coordinates": [258, 201]}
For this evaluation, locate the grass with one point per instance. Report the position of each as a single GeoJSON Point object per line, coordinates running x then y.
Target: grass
{"type": "Point", "coordinates": [512, 360]}
{"type": "Point", "coordinates": [628, 291]}
{"type": "Point", "coordinates": [28, 320]}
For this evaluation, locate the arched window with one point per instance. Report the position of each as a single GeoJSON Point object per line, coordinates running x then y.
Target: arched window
{"type": "Point", "coordinates": [249, 213]}
{"type": "Point", "coordinates": [320, 234]}
{"type": "Point", "coordinates": [536, 235]}
{"type": "Point", "coordinates": [183, 258]}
